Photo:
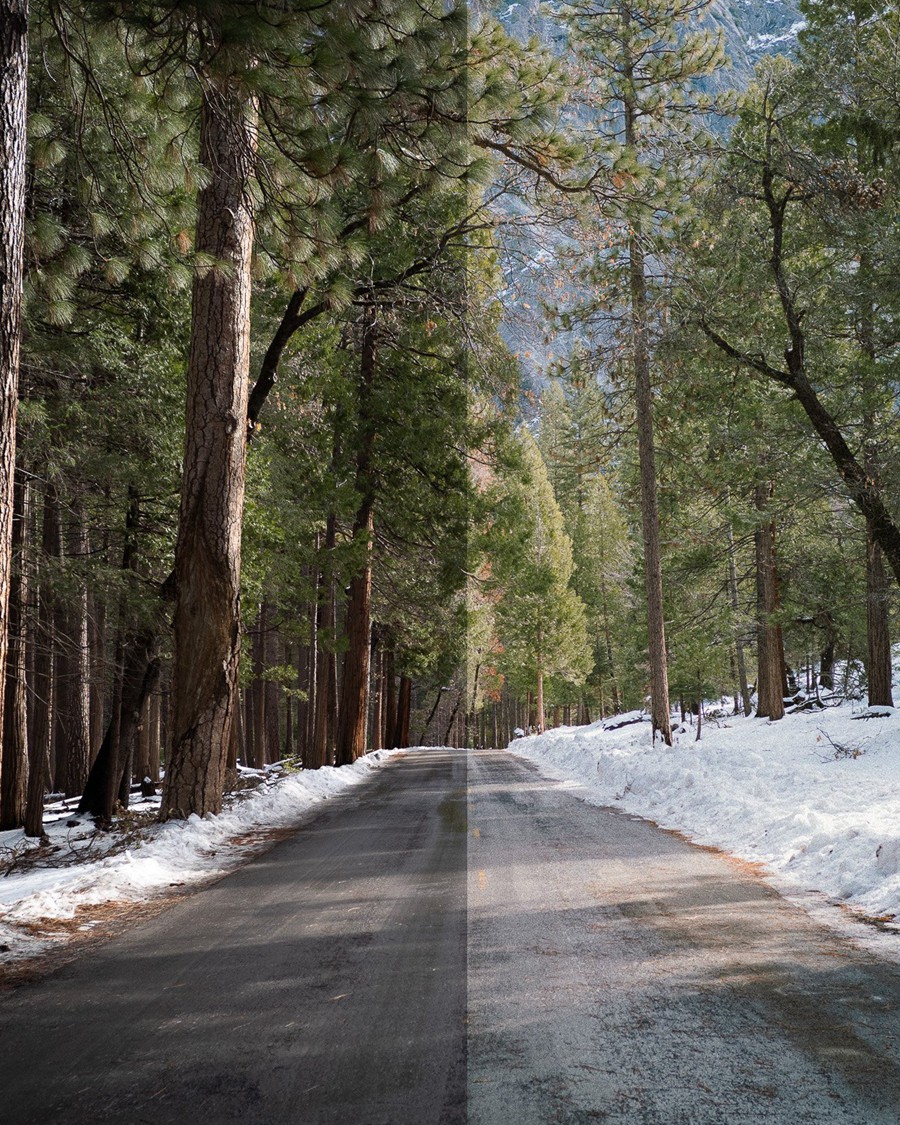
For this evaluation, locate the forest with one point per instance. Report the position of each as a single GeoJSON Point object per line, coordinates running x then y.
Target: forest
{"type": "Point", "coordinates": [371, 376]}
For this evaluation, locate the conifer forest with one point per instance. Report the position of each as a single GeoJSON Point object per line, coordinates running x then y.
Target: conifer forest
{"type": "Point", "coordinates": [378, 373]}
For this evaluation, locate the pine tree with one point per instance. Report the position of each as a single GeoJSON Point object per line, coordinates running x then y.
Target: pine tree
{"type": "Point", "coordinates": [13, 98]}
{"type": "Point", "coordinates": [643, 64]}
{"type": "Point", "coordinates": [540, 619]}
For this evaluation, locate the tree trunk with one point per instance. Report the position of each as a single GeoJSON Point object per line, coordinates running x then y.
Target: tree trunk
{"type": "Point", "coordinates": [770, 646]}
{"type": "Point", "coordinates": [878, 663]}
{"type": "Point", "coordinates": [43, 686]}
{"type": "Point", "coordinates": [351, 732]}
{"type": "Point", "coordinates": [76, 694]}
{"type": "Point", "coordinates": [320, 748]}
{"type": "Point", "coordinates": [207, 633]}
{"type": "Point", "coordinates": [350, 742]}
{"type": "Point", "coordinates": [13, 134]}
{"type": "Point", "coordinates": [376, 739]}
{"type": "Point", "coordinates": [740, 660]}
{"type": "Point", "coordinates": [539, 700]}
{"type": "Point", "coordinates": [390, 699]}
{"type": "Point", "coordinates": [271, 689]}
{"type": "Point", "coordinates": [404, 709]}
{"type": "Point", "coordinates": [14, 767]}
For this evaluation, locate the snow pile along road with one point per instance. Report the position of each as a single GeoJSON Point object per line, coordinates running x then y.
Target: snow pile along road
{"type": "Point", "coordinates": [815, 797]}
{"type": "Point", "coordinates": [163, 855]}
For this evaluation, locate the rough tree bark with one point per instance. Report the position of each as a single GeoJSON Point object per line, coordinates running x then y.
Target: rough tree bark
{"type": "Point", "coordinates": [351, 730]}
{"type": "Point", "coordinates": [13, 119]}
{"type": "Point", "coordinates": [404, 710]}
{"type": "Point", "coordinates": [208, 549]}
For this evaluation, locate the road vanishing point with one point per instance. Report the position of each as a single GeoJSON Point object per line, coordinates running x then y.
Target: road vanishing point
{"type": "Point", "coordinates": [461, 940]}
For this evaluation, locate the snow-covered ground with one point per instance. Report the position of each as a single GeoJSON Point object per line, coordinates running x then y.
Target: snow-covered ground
{"type": "Point", "coordinates": [81, 868]}
{"type": "Point", "coordinates": [815, 797]}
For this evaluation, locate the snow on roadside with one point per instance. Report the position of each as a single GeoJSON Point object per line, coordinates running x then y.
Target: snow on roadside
{"type": "Point", "coordinates": [814, 797]}
{"type": "Point", "coordinates": [164, 855]}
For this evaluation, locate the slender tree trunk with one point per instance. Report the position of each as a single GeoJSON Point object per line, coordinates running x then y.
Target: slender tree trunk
{"type": "Point", "coordinates": [878, 664]}
{"type": "Point", "coordinates": [207, 631]}
{"type": "Point", "coordinates": [153, 771]}
{"type": "Point", "coordinates": [740, 660]}
{"type": "Point", "coordinates": [323, 731]}
{"type": "Point", "coordinates": [539, 699]}
{"type": "Point", "coordinates": [770, 646]}
{"type": "Point", "coordinates": [350, 742]}
{"type": "Point", "coordinates": [77, 697]}
{"type": "Point", "coordinates": [431, 714]}
{"type": "Point", "coordinates": [43, 687]}
{"type": "Point", "coordinates": [97, 637]}
{"type": "Point", "coordinates": [14, 767]}
{"type": "Point", "coordinates": [272, 689]}
{"type": "Point", "coordinates": [377, 664]}
{"type": "Point", "coordinates": [13, 134]}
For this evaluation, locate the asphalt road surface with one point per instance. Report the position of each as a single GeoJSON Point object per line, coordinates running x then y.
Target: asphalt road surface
{"type": "Point", "coordinates": [464, 941]}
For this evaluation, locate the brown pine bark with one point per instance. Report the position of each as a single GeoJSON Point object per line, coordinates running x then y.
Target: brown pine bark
{"type": "Point", "coordinates": [14, 763]}
{"type": "Point", "coordinates": [404, 710]}
{"type": "Point", "coordinates": [390, 699]}
{"type": "Point", "coordinates": [207, 632]}
{"type": "Point", "coordinates": [770, 645]}
{"type": "Point", "coordinates": [350, 743]}
{"type": "Point", "coordinates": [13, 119]}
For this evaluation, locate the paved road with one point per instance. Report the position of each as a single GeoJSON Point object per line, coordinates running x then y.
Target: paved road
{"type": "Point", "coordinates": [618, 974]}
{"type": "Point", "coordinates": [410, 958]}
{"type": "Point", "coordinates": [324, 982]}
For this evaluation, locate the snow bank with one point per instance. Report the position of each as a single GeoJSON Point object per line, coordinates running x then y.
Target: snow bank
{"type": "Point", "coordinates": [164, 855]}
{"type": "Point", "coordinates": [814, 797]}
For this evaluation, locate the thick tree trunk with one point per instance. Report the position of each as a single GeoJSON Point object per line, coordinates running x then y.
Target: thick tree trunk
{"type": "Point", "coordinates": [207, 632]}
{"type": "Point", "coordinates": [878, 663]}
{"type": "Point", "coordinates": [390, 699]}
{"type": "Point", "coordinates": [770, 646]}
{"type": "Point", "coordinates": [351, 730]}
{"type": "Point", "coordinates": [14, 767]}
{"type": "Point", "coordinates": [404, 710]}
{"type": "Point", "coordinates": [13, 134]}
